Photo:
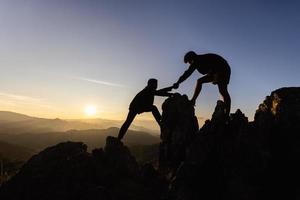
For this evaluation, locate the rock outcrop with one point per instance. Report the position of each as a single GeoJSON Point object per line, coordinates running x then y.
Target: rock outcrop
{"type": "Point", "coordinates": [236, 159]}
{"type": "Point", "coordinates": [68, 171]}
{"type": "Point", "coordinates": [179, 127]}
{"type": "Point", "coordinates": [277, 125]}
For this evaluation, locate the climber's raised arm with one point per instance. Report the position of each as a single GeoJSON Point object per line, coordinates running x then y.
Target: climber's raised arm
{"type": "Point", "coordinates": [184, 76]}
{"type": "Point", "coordinates": [164, 92]}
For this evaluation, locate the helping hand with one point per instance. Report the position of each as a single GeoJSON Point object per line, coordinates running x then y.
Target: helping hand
{"type": "Point", "coordinates": [175, 85]}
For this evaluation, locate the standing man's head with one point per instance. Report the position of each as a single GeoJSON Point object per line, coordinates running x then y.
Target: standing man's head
{"type": "Point", "coordinates": [189, 57]}
{"type": "Point", "coordinates": [152, 83]}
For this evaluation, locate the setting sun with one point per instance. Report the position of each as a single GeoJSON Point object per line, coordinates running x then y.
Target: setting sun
{"type": "Point", "coordinates": [90, 110]}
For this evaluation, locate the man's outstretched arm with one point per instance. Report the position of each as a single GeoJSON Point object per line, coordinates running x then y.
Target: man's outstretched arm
{"type": "Point", "coordinates": [164, 92]}
{"type": "Point", "coordinates": [184, 76]}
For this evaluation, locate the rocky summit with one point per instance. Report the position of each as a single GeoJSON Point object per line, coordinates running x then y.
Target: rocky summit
{"type": "Point", "coordinates": [68, 171]}
{"type": "Point", "coordinates": [178, 129]}
{"type": "Point", "coordinates": [237, 159]}
{"type": "Point", "coordinates": [226, 159]}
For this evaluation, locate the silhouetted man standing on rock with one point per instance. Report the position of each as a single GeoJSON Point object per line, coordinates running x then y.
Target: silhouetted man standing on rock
{"type": "Point", "coordinates": [216, 70]}
{"type": "Point", "coordinates": [143, 102]}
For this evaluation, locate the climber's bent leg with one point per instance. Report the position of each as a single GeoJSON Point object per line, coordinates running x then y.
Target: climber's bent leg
{"type": "Point", "coordinates": [156, 114]}
{"type": "Point", "coordinates": [130, 117]}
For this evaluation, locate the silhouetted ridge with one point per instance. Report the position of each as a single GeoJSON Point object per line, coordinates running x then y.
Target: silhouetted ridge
{"type": "Point", "coordinates": [68, 171]}
{"type": "Point", "coordinates": [236, 159]}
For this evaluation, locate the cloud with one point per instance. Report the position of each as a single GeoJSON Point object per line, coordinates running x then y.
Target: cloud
{"type": "Point", "coordinates": [19, 97]}
{"type": "Point", "coordinates": [15, 99]}
{"type": "Point", "coordinates": [99, 82]}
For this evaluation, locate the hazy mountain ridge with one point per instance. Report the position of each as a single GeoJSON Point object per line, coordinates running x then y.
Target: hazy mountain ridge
{"type": "Point", "coordinates": [14, 152]}
{"type": "Point", "coordinates": [8, 116]}
{"type": "Point", "coordinates": [94, 138]}
{"type": "Point", "coordinates": [15, 123]}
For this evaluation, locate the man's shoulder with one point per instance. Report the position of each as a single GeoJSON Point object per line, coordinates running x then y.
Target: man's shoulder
{"type": "Point", "coordinates": [146, 91]}
{"type": "Point", "coordinates": [211, 57]}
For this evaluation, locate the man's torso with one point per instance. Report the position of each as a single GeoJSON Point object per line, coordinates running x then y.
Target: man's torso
{"type": "Point", "coordinates": [143, 101]}
{"type": "Point", "coordinates": [211, 63]}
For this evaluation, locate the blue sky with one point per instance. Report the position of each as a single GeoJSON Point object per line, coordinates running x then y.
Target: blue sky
{"type": "Point", "coordinates": [58, 56]}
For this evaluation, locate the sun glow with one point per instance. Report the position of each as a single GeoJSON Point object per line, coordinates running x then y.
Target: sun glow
{"type": "Point", "coordinates": [90, 110]}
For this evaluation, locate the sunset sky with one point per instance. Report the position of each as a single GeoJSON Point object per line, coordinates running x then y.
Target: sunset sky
{"type": "Point", "coordinates": [88, 58]}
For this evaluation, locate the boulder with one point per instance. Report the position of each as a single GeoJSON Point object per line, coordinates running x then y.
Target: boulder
{"type": "Point", "coordinates": [179, 126]}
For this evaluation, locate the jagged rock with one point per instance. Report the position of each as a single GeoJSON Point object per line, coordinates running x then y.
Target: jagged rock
{"type": "Point", "coordinates": [236, 159]}
{"type": "Point", "coordinates": [68, 171]}
{"type": "Point", "coordinates": [218, 117]}
{"type": "Point", "coordinates": [277, 121]}
{"type": "Point", "coordinates": [179, 126]}
{"type": "Point", "coordinates": [119, 157]}
{"type": "Point", "coordinates": [154, 180]}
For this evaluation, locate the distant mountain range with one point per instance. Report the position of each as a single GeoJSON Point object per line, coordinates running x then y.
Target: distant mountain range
{"type": "Point", "coordinates": [15, 123]}
{"type": "Point", "coordinates": [34, 133]}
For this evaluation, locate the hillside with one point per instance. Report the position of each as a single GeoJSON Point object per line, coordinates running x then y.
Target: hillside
{"type": "Point", "coordinates": [15, 123]}
{"type": "Point", "coordinates": [14, 152]}
{"type": "Point", "coordinates": [94, 138]}
{"type": "Point", "coordinates": [7, 116]}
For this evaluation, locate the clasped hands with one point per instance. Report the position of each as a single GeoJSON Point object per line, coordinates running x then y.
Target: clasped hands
{"type": "Point", "coordinates": [176, 86]}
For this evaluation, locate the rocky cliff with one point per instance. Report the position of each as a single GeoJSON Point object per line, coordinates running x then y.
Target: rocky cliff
{"type": "Point", "coordinates": [238, 160]}
{"type": "Point", "coordinates": [226, 159]}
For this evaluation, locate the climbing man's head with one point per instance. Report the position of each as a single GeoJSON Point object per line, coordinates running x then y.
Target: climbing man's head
{"type": "Point", "coordinates": [190, 57]}
{"type": "Point", "coordinates": [152, 83]}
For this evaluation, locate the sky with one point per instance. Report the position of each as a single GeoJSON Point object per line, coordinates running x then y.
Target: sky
{"type": "Point", "coordinates": [61, 57]}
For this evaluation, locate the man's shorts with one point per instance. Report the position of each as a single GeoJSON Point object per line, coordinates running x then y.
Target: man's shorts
{"type": "Point", "coordinates": [222, 76]}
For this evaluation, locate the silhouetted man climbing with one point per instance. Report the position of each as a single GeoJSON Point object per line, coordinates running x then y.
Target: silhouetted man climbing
{"type": "Point", "coordinates": [143, 102]}
{"type": "Point", "coordinates": [216, 70]}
